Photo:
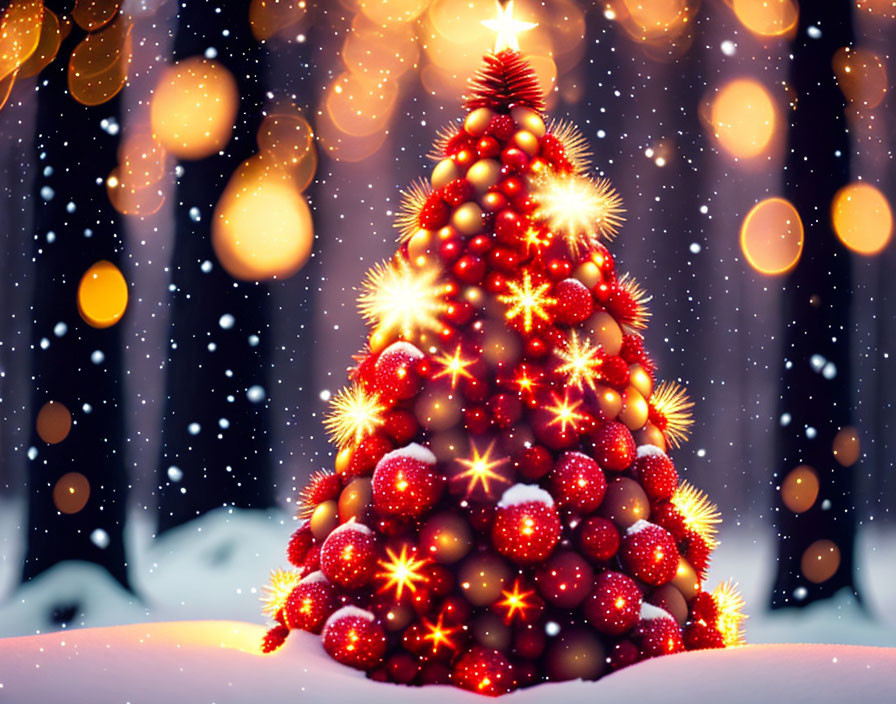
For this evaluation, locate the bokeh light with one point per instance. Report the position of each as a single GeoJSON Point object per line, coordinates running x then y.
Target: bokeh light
{"type": "Point", "coordinates": [54, 422]}
{"type": "Point", "coordinates": [392, 11]}
{"type": "Point", "coordinates": [194, 107]}
{"type": "Point", "coordinates": [799, 490]}
{"type": "Point", "coordinates": [20, 27]}
{"type": "Point", "coordinates": [771, 236]}
{"type": "Point", "coordinates": [847, 447]}
{"type": "Point", "coordinates": [286, 140]}
{"type": "Point", "coordinates": [47, 45]}
{"type": "Point", "coordinates": [270, 18]}
{"type": "Point", "coordinates": [380, 52]}
{"type": "Point", "coordinates": [861, 75]}
{"type": "Point", "coordinates": [767, 18]}
{"type": "Point", "coordinates": [742, 116]}
{"type": "Point", "coordinates": [71, 492]}
{"type": "Point", "coordinates": [102, 295]}
{"type": "Point", "coordinates": [262, 227]}
{"type": "Point", "coordinates": [359, 105]}
{"type": "Point", "coordinates": [862, 218]}
{"type": "Point", "coordinates": [879, 8]}
{"type": "Point", "coordinates": [98, 67]}
{"type": "Point", "coordinates": [820, 561]}
{"type": "Point", "coordinates": [93, 14]}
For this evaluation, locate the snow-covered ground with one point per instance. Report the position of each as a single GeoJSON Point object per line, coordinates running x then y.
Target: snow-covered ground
{"type": "Point", "coordinates": [212, 662]}
{"type": "Point", "coordinates": [214, 567]}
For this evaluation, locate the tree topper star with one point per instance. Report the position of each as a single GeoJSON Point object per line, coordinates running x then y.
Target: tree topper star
{"type": "Point", "coordinates": [507, 27]}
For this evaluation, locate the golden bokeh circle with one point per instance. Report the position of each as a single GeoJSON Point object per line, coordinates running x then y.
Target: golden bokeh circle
{"type": "Point", "coordinates": [820, 561]}
{"type": "Point", "coordinates": [102, 295]}
{"type": "Point", "coordinates": [799, 490]}
{"type": "Point", "coordinates": [772, 237]}
{"type": "Point", "coordinates": [743, 118]}
{"type": "Point", "coordinates": [847, 447]}
{"type": "Point", "coordinates": [54, 422]}
{"type": "Point", "coordinates": [768, 18]}
{"type": "Point", "coordinates": [862, 218]}
{"type": "Point", "coordinates": [71, 492]}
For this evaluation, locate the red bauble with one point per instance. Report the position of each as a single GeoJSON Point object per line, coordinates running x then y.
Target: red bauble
{"type": "Point", "coordinates": [578, 483]}
{"type": "Point", "coordinates": [487, 147]}
{"type": "Point", "coordinates": [665, 515]}
{"type": "Point", "coordinates": [510, 227]}
{"type": "Point", "coordinates": [469, 268]}
{"type": "Point", "coordinates": [484, 671]}
{"type": "Point", "coordinates": [349, 554]}
{"type": "Point", "coordinates": [574, 302]}
{"type": "Point", "coordinates": [614, 605]}
{"type": "Point", "coordinates": [366, 455]}
{"type": "Point", "coordinates": [657, 633]}
{"type": "Point", "coordinates": [704, 608]}
{"type": "Point", "coordinates": [402, 668]}
{"type": "Point", "coordinates": [614, 446]}
{"type": "Point", "coordinates": [598, 538]}
{"type": "Point", "coordinates": [505, 410]}
{"type": "Point", "coordinates": [527, 527]}
{"type": "Point", "coordinates": [536, 462]}
{"type": "Point", "coordinates": [396, 370]}
{"type": "Point", "coordinates": [656, 473]}
{"type": "Point", "coordinates": [274, 638]}
{"type": "Point", "coordinates": [700, 636]}
{"type": "Point", "coordinates": [615, 372]}
{"type": "Point", "coordinates": [458, 192]}
{"type": "Point", "coordinates": [501, 127]}
{"type": "Point", "coordinates": [697, 552]}
{"type": "Point", "coordinates": [406, 483]}
{"type": "Point", "coordinates": [435, 212]}
{"type": "Point", "coordinates": [556, 435]}
{"type": "Point", "coordinates": [401, 426]}
{"type": "Point", "coordinates": [310, 603]}
{"type": "Point", "coordinates": [353, 637]}
{"type": "Point", "coordinates": [322, 486]}
{"type": "Point", "coordinates": [300, 543]}
{"type": "Point", "coordinates": [649, 553]}
{"type": "Point", "coordinates": [624, 653]}
{"type": "Point", "coordinates": [565, 580]}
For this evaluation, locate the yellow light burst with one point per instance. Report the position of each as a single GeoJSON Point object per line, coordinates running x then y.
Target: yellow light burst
{"type": "Point", "coordinates": [507, 27]}
{"type": "Point", "coordinates": [401, 571]}
{"type": "Point", "coordinates": [354, 414]}
{"type": "Point", "coordinates": [580, 210]}
{"type": "Point", "coordinates": [672, 412]}
{"type": "Point", "coordinates": [639, 313]}
{"type": "Point", "coordinates": [400, 299]}
{"type": "Point", "coordinates": [275, 593]}
{"type": "Point", "coordinates": [581, 361]}
{"type": "Point", "coordinates": [480, 470]}
{"type": "Point", "coordinates": [575, 145]}
{"type": "Point", "coordinates": [700, 514]}
{"type": "Point", "coordinates": [407, 220]}
{"type": "Point", "coordinates": [440, 634]}
{"type": "Point", "coordinates": [527, 301]}
{"type": "Point", "coordinates": [453, 366]}
{"type": "Point", "coordinates": [730, 604]}
{"type": "Point", "coordinates": [565, 412]}
{"type": "Point", "coordinates": [515, 601]}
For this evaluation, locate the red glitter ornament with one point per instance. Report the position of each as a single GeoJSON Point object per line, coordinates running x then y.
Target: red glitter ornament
{"type": "Point", "coordinates": [599, 539]}
{"type": "Point", "coordinates": [501, 127]}
{"type": "Point", "coordinates": [406, 483]}
{"type": "Point", "coordinates": [484, 671]}
{"type": "Point", "coordinates": [535, 462]}
{"type": "Point", "coordinates": [435, 212]}
{"type": "Point", "coordinates": [578, 483]}
{"type": "Point", "coordinates": [565, 579]}
{"type": "Point", "coordinates": [656, 473]}
{"type": "Point", "coordinates": [353, 637]}
{"type": "Point", "coordinates": [657, 633]}
{"type": "Point", "coordinates": [274, 638]}
{"type": "Point", "coordinates": [366, 455]}
{"type": "Point", "coordinates": [615, 372]}
{"type": "Point", "coordinates": [649, 553]}
{"type": "Point", "coordinates": [614, 605]}
{"type": "Point", "coordinates": [458, 192]}
{"type": "Point", "coordinates": [703, 608]}
{"type": "Point", "coordinates": [300, 543]}
{"type": "Point", "coordinates": [396, 370]}
{"type": "Point", "coordinates": [701, 636]}
{"type": "Point", "coordinates": [349, 554]}
{"type": "Point", "coordinates": [613, 446]}
{"type": "Point", "coordinates": [574, 302]}
{"type": "Point", "coordinates": [310, 603]}
{"type": "Point", "coordinates": [527, 527]}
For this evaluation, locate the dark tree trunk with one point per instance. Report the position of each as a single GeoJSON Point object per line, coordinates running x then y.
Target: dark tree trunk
{"type": "Point", "coordinates": [211, 367]}
{"type": "Point", "coordinates": [816, 314]}
{"type": "Point", "coordinates": [74, 227]}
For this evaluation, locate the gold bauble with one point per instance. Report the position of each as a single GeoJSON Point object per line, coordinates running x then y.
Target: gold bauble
{"type": "Point", "coordinates": [625, 503]}
{"type": "Point", "coordinates": [526, 141]}
{"type": "Point", "coordinates": [588, 273]}
{"type": "Point", "coordinates": [445, 538]}
{"type": "Point", "coordinates": [484, 174]}
{"type": "Point", "coordinates": [355, 500]}
{"type": "Point", "coordinates": [343, 460]}
{"type": "Point", "coordinates": [482, 577]}
{"type": "Point", "coordinates": [324, 519]}
{"type": "Point", "coordinates": [651, 435]}
{"type": "Point", "coordinates": [419, 244]}
{"type": "Point", "coordinates": [448, 444]}
{"type": "Point", "coordinates": [477, 121]}
{"type": "Point", "coordinates": [634, 409]}
{"type": "Point", "coordinates": [444, 173]}
{"type": "Point", "coordinates": [437, 410]}
{"type": "Point", "coordinates": [399, 617]}
{"type": "Point", "coordinates": [380, 339]}
{"type": "Point", "coordinates": [669, 598]}
{"type": "Point", "coordinates": [467, 219]}
{"type": "Point", "coordinates": [609, 401]}
{"type": "Point", "coordinates": [640, 379]}
{"type": "Point", "coordinates": [474, 295]}
{"type": "Point", "coordinates": [500, 346]}
{"type": "Point", "coordinates": [490, 630]}
{"type": "Point", "coordinates": [528, 119]}
{"type": "Point", "coordinates": [605, 331]}
{"type": "Point", "coordinates": [576, 654]}
{"type": "Point", "coordinates": [686, 580]}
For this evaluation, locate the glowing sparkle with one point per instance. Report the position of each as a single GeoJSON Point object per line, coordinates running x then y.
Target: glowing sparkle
{"type": "Point", "coordinates": [439, 634]}
{"type": "Point", "coordinates": [699, 513]}
{"type": "Point", "coordinates": [354, 414]}
{"type": "Point", "coordinates": [580, 210]}
{"type": "Point", "coordinates": [480, 470]}
{"type": "Point", "coordinates": [401, 571]}
{"type": "Point", "coordinates": [581, 361]}
{"type": "Point", "coordinates": [527, 301]}
{"type": "Point", "coordinates": [453, 366]}
{"type": "Point", "coordinates": [306, 502]}
{"type": "Point", "coordinates": [407, 221]}
{"type": "Point", "coordinates": [575, 145]}
{"type": "Point", "coordinates": [400, 299]}
{"type": "Point", "coordinates": [638, 315]}
{"type": "Point", "coordinates": [277, 590]}
{"type": "Point", "coordinates": [515, 602]}
{"type": "Point", "coordinates": [671, 412]}
{"type": "Point", "coordinates": [507, 27]}
{"type": "Point", "coordinates": [730, 604]}
{"type": "Point", "coordinates": [564, 411]}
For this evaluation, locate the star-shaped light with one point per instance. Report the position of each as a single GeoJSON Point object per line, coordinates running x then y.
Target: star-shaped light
{"type": "Point", "coordinates": [401, 571]}
{"type": "Point", "coordinates": [527, 301]}
{"type": "Point", "coordinates": [515, 602]}
{"type": "Point", "coordinates": [453, 366]}
{"type": "Point", "coordinates": [480, 470]}
{"type": "Point", "coordinates": [399, 298]}
{"type": "Point", "coordinates": [440, 634]}
{"type": "Point", "coordinates": [565, 412]}
{"type": "Point", "coordinates": [354, 414]}
{"type": "Point", "coordinates": [581, 361]}
{"type": "Point", "coordinates": [507, 27]}
{"type": "Point", "coordinates": [671, 412]}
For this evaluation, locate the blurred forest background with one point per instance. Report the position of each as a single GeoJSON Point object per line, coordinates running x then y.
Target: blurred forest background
{"type": "Point", "coordinates": [192, 370]}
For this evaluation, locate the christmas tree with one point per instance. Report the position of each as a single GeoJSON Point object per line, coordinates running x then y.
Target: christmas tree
{"type": "Point", "coordinates": [502, 511]}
